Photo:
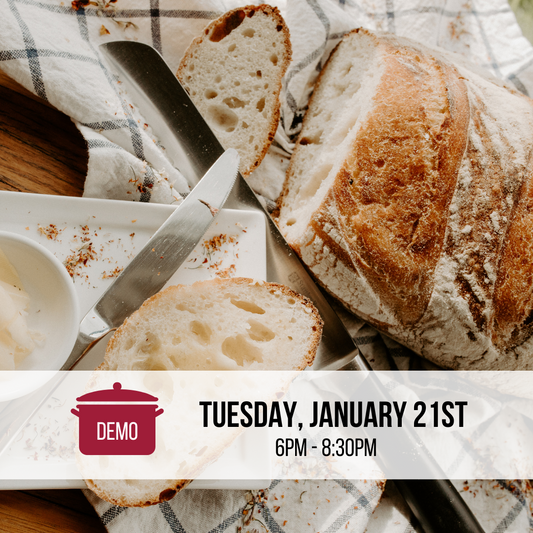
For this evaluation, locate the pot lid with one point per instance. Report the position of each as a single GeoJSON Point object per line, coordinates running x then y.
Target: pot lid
{"type": "Point", "coordinates": [117, 394]}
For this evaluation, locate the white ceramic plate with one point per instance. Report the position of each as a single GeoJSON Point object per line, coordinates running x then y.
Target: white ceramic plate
{"type": "Point", "coordinates": [117, 230]}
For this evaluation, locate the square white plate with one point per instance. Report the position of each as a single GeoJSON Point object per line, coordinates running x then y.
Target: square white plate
{"type": "Point", "coordinates": [117, 231]}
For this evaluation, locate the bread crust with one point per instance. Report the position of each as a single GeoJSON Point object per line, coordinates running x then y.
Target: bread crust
{"type": "Point", "coordinates": [122, 501]}
{"type": "Point", "coordinates": [513, 291]}
{"type": "Point", "coordinates": [425, 231]}
{"type": "Point", "coordinates": [394, 190]}
{"type": "Point", "coordinates": [217, 30]}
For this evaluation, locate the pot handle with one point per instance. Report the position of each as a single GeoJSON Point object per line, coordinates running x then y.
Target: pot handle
{"type": "Point", "coordinates": [157, 413]}
{"type": "Point", "coordinates": [75, 412]}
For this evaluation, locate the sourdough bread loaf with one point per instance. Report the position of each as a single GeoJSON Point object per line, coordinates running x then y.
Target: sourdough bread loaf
{"type": "Point", "coordinates": [409, 196]}
{"type": "Point", "coordinates": [230, 324]}
{"type": "Point", "coordinates": [233, 75]}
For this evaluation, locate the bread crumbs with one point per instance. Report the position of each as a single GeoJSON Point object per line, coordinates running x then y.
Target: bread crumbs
{"type": "Point", "coordinates": [113, 273]}
{"type": "Point", "coordinates": [51, 232]}
{"type": "Point", "coordinates": [80, 258]}
{"type": "Point", "coordinates": [88, 246]}
{"type": "Point", "coordinates": [219, 255]}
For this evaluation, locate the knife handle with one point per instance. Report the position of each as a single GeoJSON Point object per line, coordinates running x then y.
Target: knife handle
{"type": "Point", "coordinates": [438, 506]}
{"type": "Point", "coordinates": [434, 501]}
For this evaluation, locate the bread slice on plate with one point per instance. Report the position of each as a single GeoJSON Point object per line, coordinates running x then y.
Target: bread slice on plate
{"type": "Point", "coordinates": [233, 75]}
{"type": "Point", "coordinates": [409, 197]}
{"type": "Point", "coordinates": [223, 324]}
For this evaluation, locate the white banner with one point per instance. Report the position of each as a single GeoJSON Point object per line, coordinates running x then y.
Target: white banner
{"type": "Point", "coordinates": [265, 425]}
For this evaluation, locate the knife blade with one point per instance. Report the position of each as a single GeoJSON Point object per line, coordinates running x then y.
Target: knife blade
{"type": "Point", "coordinates": [145, 275]}
{"type": "Point", "coordinates": [191, 145]}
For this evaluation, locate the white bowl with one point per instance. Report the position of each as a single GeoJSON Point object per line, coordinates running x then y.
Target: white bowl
{"type": "Point", "coordinates": [53, 312]}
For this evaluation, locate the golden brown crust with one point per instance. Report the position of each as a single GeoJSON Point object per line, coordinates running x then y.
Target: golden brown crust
{"type": "Point", "coordinates": [489, 192]}
{"type": "Point", "coordinates": [324, 217]}
{"type": "Point", "coordinates": [220, 28]}
{"type": "Point", "coordinates": [393, 192]}
{"type": "Point", "coordinates": [395, 188]}
{"type": "Point", "coordinates": [165, 495]}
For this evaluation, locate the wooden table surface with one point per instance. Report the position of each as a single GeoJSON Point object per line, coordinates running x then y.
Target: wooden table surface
{"type": "Point", "coordinates": [41, 151]}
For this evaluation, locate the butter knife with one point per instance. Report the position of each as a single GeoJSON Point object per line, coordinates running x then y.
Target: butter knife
{"type": "Point", "coordinates": [154, 265]}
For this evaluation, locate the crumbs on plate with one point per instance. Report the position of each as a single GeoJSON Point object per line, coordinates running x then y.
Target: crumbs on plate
{"type": "Point", "coordinates": [51, 232]}
{"type": "Point", "coordinates": [45, 437]}
{"type": "Point", "coordinates": [90, 246]}
{"type": "Point", "coordinates": [112, 273]}
{"type": "Point", "coordinates": [80, 258]}
{"type": "Point", "coordinates": [219, 254]}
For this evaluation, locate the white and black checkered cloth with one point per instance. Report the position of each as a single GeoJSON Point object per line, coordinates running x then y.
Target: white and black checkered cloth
{"type": "Point", "coordinates": [52, 49]}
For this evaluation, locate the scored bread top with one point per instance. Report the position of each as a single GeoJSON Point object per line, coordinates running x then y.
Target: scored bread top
{"type": "Point", "coordinates": [393, 182]}
{"type": "Point", "coordinates": [393, 203]}
{"type": "Point", "coordinates": [233, 75]}
{"type": "Point", "coordinates": [513, 291]}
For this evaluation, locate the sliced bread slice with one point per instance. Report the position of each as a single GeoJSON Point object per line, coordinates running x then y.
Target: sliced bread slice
{"type": "Point", "coordinates": [223, 324]}
{"type": "Point", "coordinates": [233, 75]}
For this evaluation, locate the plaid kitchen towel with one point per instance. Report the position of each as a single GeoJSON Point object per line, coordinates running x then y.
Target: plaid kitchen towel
{"type": "Point", "coordinates": [284, 507]}
{"type": "Point", "coordinates": [51, 47]}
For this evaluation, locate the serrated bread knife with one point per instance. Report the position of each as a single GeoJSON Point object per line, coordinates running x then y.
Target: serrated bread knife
{"type": "Point", "coordinates": [192, 146]}
{"type": "Point", "coordinates": [145, 275]}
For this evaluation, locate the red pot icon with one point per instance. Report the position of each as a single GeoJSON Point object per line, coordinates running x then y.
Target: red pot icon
{"type": "Point", "coordinates": [117, 422]}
